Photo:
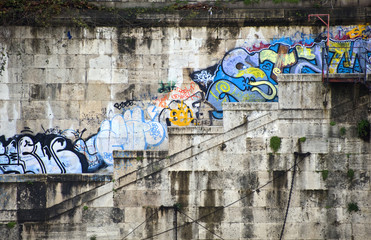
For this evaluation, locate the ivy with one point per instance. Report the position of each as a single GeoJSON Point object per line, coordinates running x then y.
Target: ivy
{"type": "Point", "coordinates": [363, 129]}
{"type": "Point", "coordinates": [275, 143]}
{"type": "Point", "coordinates": [38, 12]}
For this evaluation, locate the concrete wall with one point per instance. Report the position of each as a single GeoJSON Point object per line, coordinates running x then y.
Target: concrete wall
{"type": "Point", "coordinates": [71, 96]}
{"type": "Point", "coordinates": [234, 186]}
{"type": "Point", "coordinates": [225, 181]}
{"type": "Point", "coordinates": [238, 4]}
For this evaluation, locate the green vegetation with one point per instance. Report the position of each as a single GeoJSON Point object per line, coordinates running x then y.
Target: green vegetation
{"type": "Point", "coordinates": [332, 123]}
{"type": "Point", "coordinates": [363, 129]}
{"type": "Point", "coordinates": [94, 237]}
{"type": "Point", "coordinates": [178, 206]}
{"type": "Point", "coordinates": [342, 131]}
{"type": "Point", "coordinates": [302, 139]}
{"type": "Point", "coordinates": [350, 174]}
{"type": "Point", "coordinates": [353, 207]}
{"type": "Point", "coordinates": [275, 143]}
{"type": "Point", "coordinates": [247, 2]}
{"type": "Point", "coordinates": [289, 1]}
{"type": "Point", "coordinates": [85, 208]}
{"type": "Point", "coordinates": [139, 158]}
{"type": "Point", "coordinates": [38, 12]}
{"type": "Point", "coordinates": [324, 174]}
{"type": "Point", "coordinates": [11, 225]}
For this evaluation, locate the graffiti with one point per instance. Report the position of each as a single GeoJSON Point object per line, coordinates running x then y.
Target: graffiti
{"type": "Point", "coordinates": [204, 77]}
{"type": "Point", "coordinates": [167, 87]}
{"type": "Point", "coordinates": [121, 105]}
{"type": "Point", "coordinates": [362, 31]}
{"type": "Point", "coordinates": [177, 94]}
{"type": "Point", "coordinates": [193, 110]}
{"type": "Point", "coordinates": [129, 131]}
{"type": "Point", "coordinates": [54, 152]}
{"type": "Point", "coordinates": [251, 76]}
{"type": "Point", "coordinates": [43, 153]}
{"type": "Point", "coordinates": [182, 115]}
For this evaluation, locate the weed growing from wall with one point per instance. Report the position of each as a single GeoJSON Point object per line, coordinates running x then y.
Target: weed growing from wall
{"type": "Point", "coordinates": [38, 12]}
{"type": "Point", "coordinates": [275, 143]}
{"type": "Point", "coordinates": [11, 225]}
{"type": "Point", "coordinates": [332, 123]}
{"type": "Point", "coordinates": [353, 207]}
{"type": "Point", "coordinates": [363, 129]}
{"type": "Point", "coordinates": [324, 174]}
{"type": "Point", "coordinates": [302, 139]}
{"type": "Point", "coordinates": [342, 131]}
{"type": "Point", "coordinates": [350, 174]}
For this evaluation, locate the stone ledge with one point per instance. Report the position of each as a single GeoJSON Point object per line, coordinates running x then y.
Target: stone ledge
{"type": "Point", "coordinates": [195, 130]}
{"type": "Point", "coordinates": [16, 178]}
{"type": "Point", "coordinates": [250, 106]}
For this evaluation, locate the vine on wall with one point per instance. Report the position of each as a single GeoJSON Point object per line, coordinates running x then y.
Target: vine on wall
{"type": "Point", "coordinates": [37, 12]}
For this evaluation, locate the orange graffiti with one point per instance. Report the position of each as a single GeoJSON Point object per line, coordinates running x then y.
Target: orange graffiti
{"type": "Point", "coordinates": [182, 116]}
{"type": "Point", "coordinates": [178, 94]}
{"type": "Point", "coordinates": [358, 31]}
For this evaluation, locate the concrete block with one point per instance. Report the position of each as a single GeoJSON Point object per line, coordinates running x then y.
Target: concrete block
{"type": "Point", "coordinates": [9, 110]}
{"type": "Point", "coordinates": [98, 92]}
{"type": "Point", "coordinates": [310, 180]}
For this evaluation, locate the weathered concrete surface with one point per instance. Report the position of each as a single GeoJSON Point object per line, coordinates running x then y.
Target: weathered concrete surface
{"type": "Point", "coordinates": [227, 178]}
{"type": "Point", "coordinates": [240, 190]}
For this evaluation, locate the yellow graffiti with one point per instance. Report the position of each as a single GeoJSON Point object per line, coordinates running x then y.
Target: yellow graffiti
{"type": "Point", "coordinates": [358, 31]}
{"type": "Point", "coordinates": [285, 59]}
{"type": "Point", "coordinates": [256, 72]}
{"type": "Point", "coordinates": [305, 52]}
{"type": "Point", "coordinates": [221, 86]}
{"type": "Point", "coordinates": [276, 71]}
{"type": "Point", "coordinates": [266, 96]}
{"type": "Point", "coordinates": [340, 49]}
{"type": "Point", "coordinates": [182, 116]}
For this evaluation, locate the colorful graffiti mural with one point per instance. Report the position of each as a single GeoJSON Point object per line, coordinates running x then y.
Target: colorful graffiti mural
{"type": "Point", "coordinates": [251, 76]}
{"type": "Point", "coordinates": [248, 73]}
{"type": "Point", "coordinates": [57, 151]}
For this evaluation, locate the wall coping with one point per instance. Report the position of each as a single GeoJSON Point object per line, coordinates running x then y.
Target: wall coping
{"type": "Point", "coordinates": [85, 177]}
{"type": "Point", "coordinates": [250, 106]}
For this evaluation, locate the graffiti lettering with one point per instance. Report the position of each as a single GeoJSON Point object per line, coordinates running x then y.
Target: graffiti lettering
{"type": "Point", "coordinates": [182, 116]}
{"type": "Point", "coordinates": [121, 105]}
{"type": "Point", "coordinates": [43, 153]}
{"type": "Point", "coordinates": [251, 76]}
{"type": "Point", "coordinates": [129, 131]}
{"type": "Point", "coordinates": [359, 31]}
{"type": "Point", "coordinates": [177, 94]}
{"type": "Point", "coordinates": [167, 87]}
